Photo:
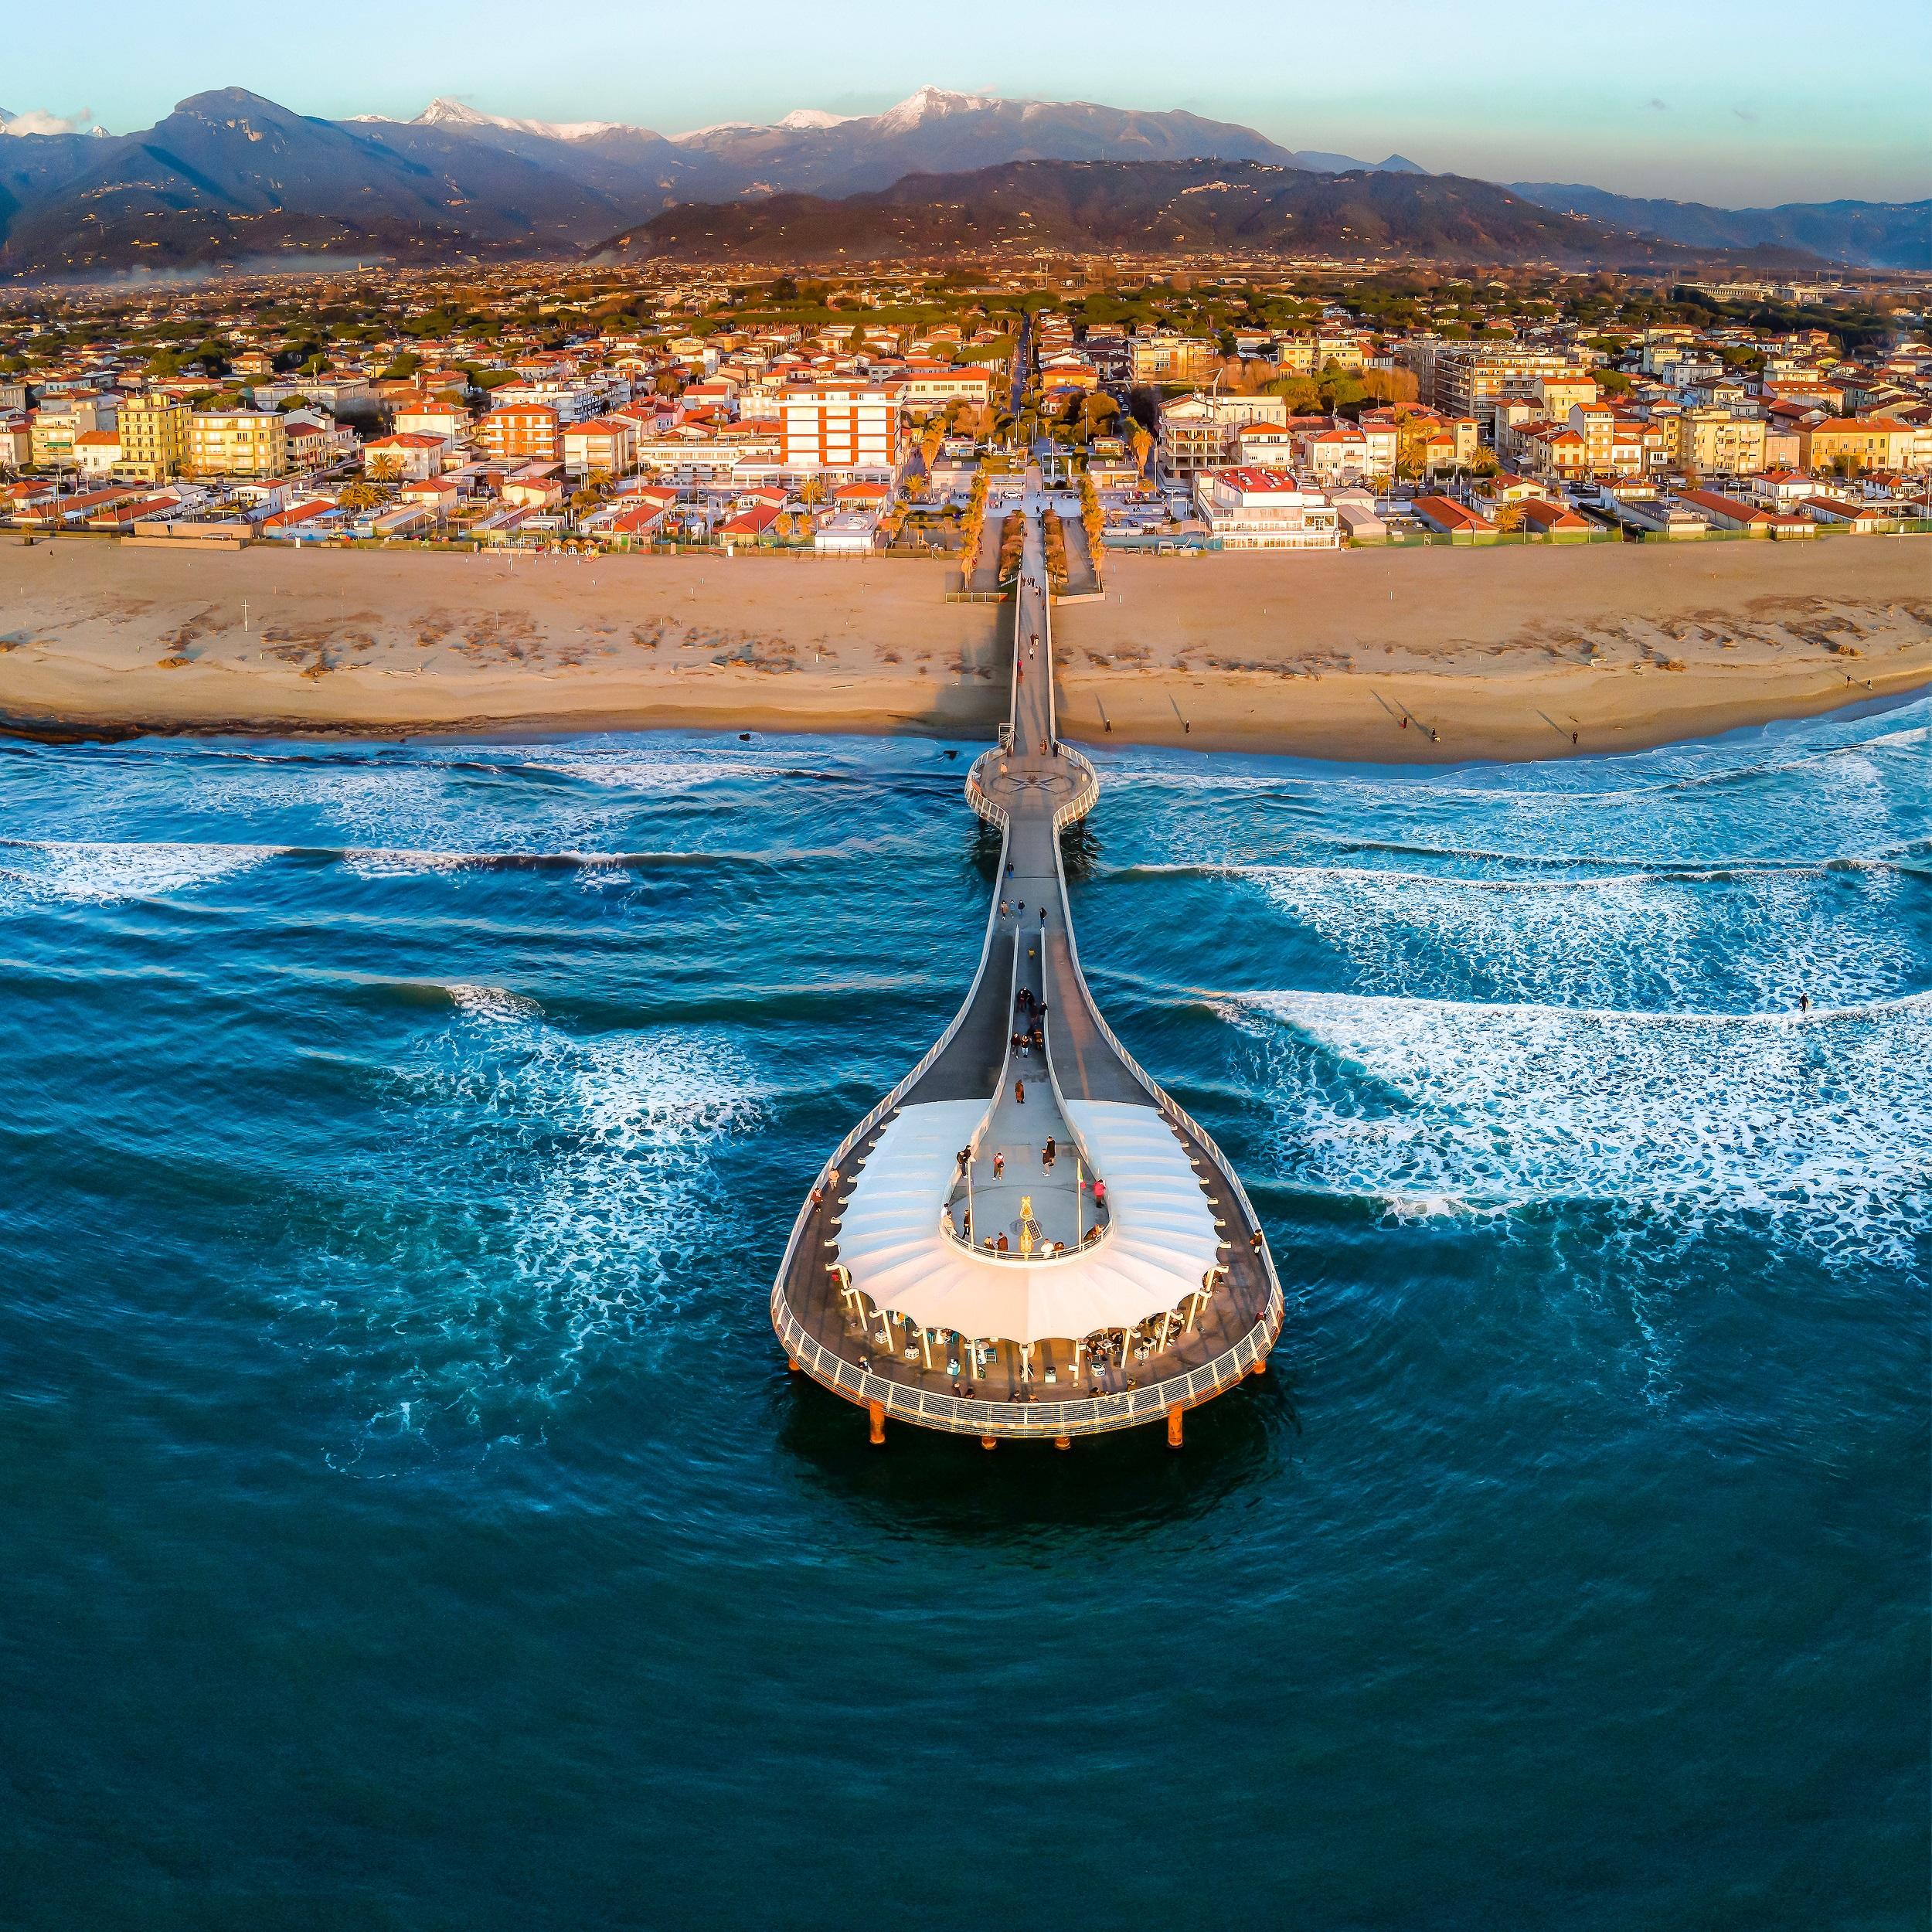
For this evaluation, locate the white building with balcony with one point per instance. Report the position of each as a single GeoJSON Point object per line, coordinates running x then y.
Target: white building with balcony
{"type": "Point", "coordinates": [1265, 509]}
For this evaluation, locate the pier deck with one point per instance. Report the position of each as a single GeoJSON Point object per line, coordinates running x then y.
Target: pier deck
{"type": "Point", "coordinates": [1060, 1387]}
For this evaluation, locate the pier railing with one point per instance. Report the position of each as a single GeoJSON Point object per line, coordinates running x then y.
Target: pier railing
{"type": "Point", "coordinates": [1076, 1416]}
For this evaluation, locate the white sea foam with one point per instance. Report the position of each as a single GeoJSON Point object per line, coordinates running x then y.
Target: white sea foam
{"type": "Point", "coordinates": [1755, 937]}
{"type": "Point", "coordinates": [562, 1191]}
{"type": "Point", "coordinates": [107, 872]}
{"type": "Point", "coordinates": [493, 1003]}
{"type": "Point", "coordinates": [1822, 1122]}
{"type": "Point", "coordinates": [388, 863]}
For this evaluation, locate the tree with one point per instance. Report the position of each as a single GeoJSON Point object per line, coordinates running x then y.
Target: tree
{"type": "Point", "coordinates": [1099, 413]}
{"type": "Point", "coordinates": [386, 465]}
{"type": "Point", "coordinates": [1298, 392]}
{"type": "Point", "coordinates": [1391, 385]}
{"type": "Point", "coordinates": [812, 490]}
{"type": "Point", "coordinates": [404, 366]}
{"type": "Point", "coordinates": [1140, 442]}
{"type": "Point", "coordinates": [362, 496]}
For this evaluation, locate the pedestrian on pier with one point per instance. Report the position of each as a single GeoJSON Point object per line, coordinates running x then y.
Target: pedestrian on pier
{"type": "Point", "coordinates": [1019, 1092]}
{"type": "Point", "coordinates": [999, 1165]}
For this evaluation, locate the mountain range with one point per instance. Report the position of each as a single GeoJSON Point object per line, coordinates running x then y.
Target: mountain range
{"type": "Point", "coordinates": [231, 177]}
{"type": "Point", "coordinates": [1873, 234]}
{"type": "Point", "coordinates": [1141, 207]}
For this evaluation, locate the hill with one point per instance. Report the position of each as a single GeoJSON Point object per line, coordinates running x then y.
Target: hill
{"type": "Point", "coordinates": [1870, 234]}
{"type": "Point", "coordinates": [1142, 207]}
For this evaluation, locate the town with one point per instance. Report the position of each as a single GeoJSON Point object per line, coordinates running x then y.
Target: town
{"type": "Point", "coordinates": [1188, 406]}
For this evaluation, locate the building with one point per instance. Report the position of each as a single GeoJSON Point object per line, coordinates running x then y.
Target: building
{"type": "Point", "coordinates": [1202, 432]}
{"type": "Point", "coordinates": [97, 453]}
{"type": "Point", "coordinates": [525, 429]}
{"type": "Point", "coordinates": [846, 429]}
{"type": "Point", "coordinates": [407, 456]}
{"type": "Point", "coordinates": [1714, 440]}
{"type": "Point", "coordinates": [240, 442]}
{"type": "Point", "coordinates": [1164, 356]}
{"type": "Point", "coordinates": [1539, 517]}
{"type": "Point", "coordinates": [432, 415]}
{"type": "Point", "coordinates": [850, 533]}
{"type": "Point", "coordinates": [1451, 519]}
{"type": "Point", "coordinates": [605, 443]}
{"type": "Point", "coordinates": [153, 438]}
{"type": "Point", "coordinates": [934, 385]}
{"type": "Point", "coordinates": [1337, 454]}
{"type": "Point", "coordinates": [1855, 443]}
{"type": "Point", "coordinates": [1262, 510]}
{"type": "Point", "coordinates": [1468, 379]}
{"type": "Point", "coordinates": [61, 421]}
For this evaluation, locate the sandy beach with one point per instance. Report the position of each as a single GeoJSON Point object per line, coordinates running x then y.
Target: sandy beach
{"type": "Point", "coordinates": [1511, 653]}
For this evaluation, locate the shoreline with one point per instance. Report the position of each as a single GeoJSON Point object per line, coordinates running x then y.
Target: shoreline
{"type": "Point", "coordinates": [1489, 655]}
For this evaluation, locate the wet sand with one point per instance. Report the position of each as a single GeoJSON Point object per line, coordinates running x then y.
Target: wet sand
{"type": "Point", "coordinates": [1495, 654]}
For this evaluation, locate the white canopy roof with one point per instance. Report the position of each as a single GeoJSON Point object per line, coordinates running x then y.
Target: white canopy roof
{"type": "Point", "coordinates": [1162, 1238]}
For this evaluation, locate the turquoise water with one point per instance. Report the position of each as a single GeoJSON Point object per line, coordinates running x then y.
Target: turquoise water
{"type": "Point", "coordinates": [408, 1520]}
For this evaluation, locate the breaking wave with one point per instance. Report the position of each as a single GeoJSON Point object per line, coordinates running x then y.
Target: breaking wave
{"type": "Point", "coordinates": [1821, 1122]}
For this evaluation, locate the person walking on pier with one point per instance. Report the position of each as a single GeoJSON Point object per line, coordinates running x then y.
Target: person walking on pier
{"type": "Point", "coordinates": [1019, 1092]}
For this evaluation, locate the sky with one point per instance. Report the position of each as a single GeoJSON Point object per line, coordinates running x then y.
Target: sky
{"type": "Point", "coordinates": [1739, 102]}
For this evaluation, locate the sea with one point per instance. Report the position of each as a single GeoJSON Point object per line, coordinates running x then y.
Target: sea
{"type": "Point", "coordinates": [407, 1519]}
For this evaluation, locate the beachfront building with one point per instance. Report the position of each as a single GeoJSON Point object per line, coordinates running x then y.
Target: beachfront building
{"type": "Point", "coordinates": [153, 428]}
{"type": "Point", "coordinates": [527, 431]}
{"type": "Point", "coordinates": [1261, 509]}
{"type": "Point", "coordinates": [96, 453]}
{"type": "Point", "coordinates": [605, 443]}
{"type": "Point", "coordinates": [845, 430]}
{"type": "Point", "coordinates": [237, 442]}
{"type": "Point", "coordinates": [1201, 432]}
{"type": "Point", "coordinates": [1855, 443]}
{"type": "Point", "coordinates": [1715, 439]}
{"type": "Point", "coordinates": [407, 456]}
{"type": "Point", "coordinates": [61, 420]}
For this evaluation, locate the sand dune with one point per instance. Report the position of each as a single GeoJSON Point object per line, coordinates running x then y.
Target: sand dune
{"type": "Point", "coordinates": [1488, 654]}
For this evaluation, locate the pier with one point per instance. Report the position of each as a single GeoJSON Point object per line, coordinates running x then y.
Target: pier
{"type": "Point", "coordinates": [1027, 1237]}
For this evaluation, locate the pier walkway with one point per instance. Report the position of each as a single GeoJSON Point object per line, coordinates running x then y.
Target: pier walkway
{"type": "Point", "coordinates": [944, 1271]}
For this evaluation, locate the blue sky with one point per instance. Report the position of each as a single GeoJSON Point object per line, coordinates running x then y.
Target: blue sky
{"type": "Point", "coordinates": [1741, 101]}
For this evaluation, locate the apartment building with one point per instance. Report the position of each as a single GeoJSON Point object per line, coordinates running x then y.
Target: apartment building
{"type": "Point", "coordinates": [240, 442]}
{"type": "Point", "coordinates": [153, 438]}
{"type": "Point", "coordinates": [605, 443]}
{"type": "Point", "coordinates": [847, 430]}
{"type": "Point", "coordinates": [933, 385]}
{"type": "Point", "coordinates": [521, 430]}
{"type": "Point", "coordinates": [1715, 439]}
{"type": "Point", "coordinates": [1857, 443]}
{"type": "Point", "coordinates": [1468, 378]}
{"type": "Point", "coordinates": [1264, 509]}
{"type": "Point", "coordinates": [61, 420]}
{"type": "Point", "coordinates": [1202, 432]}
{"type": "Point", "coordinates": [1164, 356]}
{"type": "Point", "coordinates": [409, 456]}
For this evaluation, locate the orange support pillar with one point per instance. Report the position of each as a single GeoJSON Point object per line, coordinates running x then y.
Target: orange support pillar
{"type": "Point", "coordinates": [1261, 1366]}
{"type": "Point", "coordinates": [791, 1362]}
{"type": "Point", "coordinates": [989, 1442]}
{"type": "Point", "coordinates": [1174, 1425]}
{"type": "Point", "coordinates": [877, 1411]}
{"type": "Point", "coordinates": [1063, 1442]}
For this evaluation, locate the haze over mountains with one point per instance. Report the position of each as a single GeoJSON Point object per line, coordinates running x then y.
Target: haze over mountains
{"type": "Point", "coordinates": [231, 177]}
